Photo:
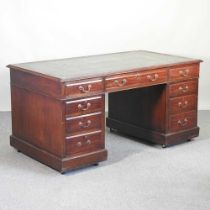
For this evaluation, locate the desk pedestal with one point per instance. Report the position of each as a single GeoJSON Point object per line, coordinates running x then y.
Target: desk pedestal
{"type": "Point", "coordinates": [154, 114]}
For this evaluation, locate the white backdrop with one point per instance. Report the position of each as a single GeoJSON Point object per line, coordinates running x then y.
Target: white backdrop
{"type": "Point", "coordinates": [48, 29]}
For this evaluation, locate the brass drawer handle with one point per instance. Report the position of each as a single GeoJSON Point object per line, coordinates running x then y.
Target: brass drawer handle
{"type": "Point", "coordinates": [138, 76]}
{"type": "Point", "coordinates": [182, 123]}
{"type": "Point", "coordinates": [84, 106]}
{"type": "Point", "coordinates": [183, 104]}
{"type": "Point", "coordinates": [153, 77]}
{"type": "Point", "coordinates": [85, 125]}
{"type": "Point", "coordinates": [88, 141]}
{"type": "Point", "coordinates": [121, 82]}
{"type": "Point", "coordinates": [184, 72]}
{"type": "Point", "coordinates": [83, 90]}
{"type": "Point", "coordinates": [184, 89]}
{"type": "Point", "coordinates": [79, 144]}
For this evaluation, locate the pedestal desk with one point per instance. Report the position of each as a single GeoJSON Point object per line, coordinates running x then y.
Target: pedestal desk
{"type": "Point", "coordinates": [58, 111]}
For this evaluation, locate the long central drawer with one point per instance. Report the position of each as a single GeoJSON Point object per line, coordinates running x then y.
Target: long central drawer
{"type": "Point", "coordinates": [136, 79]}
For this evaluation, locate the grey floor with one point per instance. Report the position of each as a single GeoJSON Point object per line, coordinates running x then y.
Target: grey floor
{"type": "Point", "coordinates": [137, 176]}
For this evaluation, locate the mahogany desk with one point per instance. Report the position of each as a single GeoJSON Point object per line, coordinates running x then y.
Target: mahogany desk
{"type": "Point", "coordinates": [58, 114]}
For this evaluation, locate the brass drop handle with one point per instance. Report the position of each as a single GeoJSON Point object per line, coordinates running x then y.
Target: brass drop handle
{"type": "Point", "coordinates": [88, 141]}
{"type": "Point", "coordinates": [138, 76]}
{"type": "Point", "coordinates": [79, 144]}
{"type": "Point", "coordinates": [184, 89]}
{"type": "Point", "coordinates": [85, 125]}
{"type": "Point", "coordinates": [153, 77]}
{"type": "Point", "coordinates": [183, 123]}
{"type": "Point", "coordinates": [120, 82]}
{"type": "Point", "coordinates": [183, 104]}
{"type": "Point", "coordinates": [85, 90]}
{"type": "Point", "coordinates": [84, 106]}
{"type": "Point", "coordinates": [184, 72]}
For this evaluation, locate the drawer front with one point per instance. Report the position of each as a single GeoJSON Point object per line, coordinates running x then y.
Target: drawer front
{"type": "Point", "coordinates": [183, 121]}
{"type": "Point", "coordinates": [182, 104]}
{"type": "Point", "coordinates": [183, 88]}
{"type": "Point", "coordinates": [84, 143]}
{"type": "Point", "coordinates": [137, 79]}
{"type": "Point", "coordinates": [154, 77]}
{"type": "Point", "coordinates": [84, 88]}
{"type": "Point", "coordinates": [84, 106]}
{"type": "Point", "coordinates": [84, 123]}
{"type": "Point", "coordinates": [122, 81]}
{"type": "Point", "coordinates": [183, 73]}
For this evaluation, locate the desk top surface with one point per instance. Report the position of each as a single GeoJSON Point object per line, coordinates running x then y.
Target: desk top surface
{"type": "Point", "coordinates": [99, 65]}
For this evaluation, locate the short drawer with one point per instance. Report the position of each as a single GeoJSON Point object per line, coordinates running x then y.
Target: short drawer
{"type": "Point", "coordinates": [136, 79]}
{"type": "Point", "coordinates": [83, 88]}
{"type": "Point", "coordinates": [85, 143]}
{"type": "Point", "coordinates": [182, 104]}
{"type": "Point", "coordinates": [185, 72]}
{"type": "Point", "coordinates": [84, 123]}
{"type": "Point", "coordinates": [153, 77]}
{"type": "Point", "coordinates": [84, 106]}
{"type": "Point", "coordinates": [183, 121]}
{"type": "Point", "coordinates": [183, 88]}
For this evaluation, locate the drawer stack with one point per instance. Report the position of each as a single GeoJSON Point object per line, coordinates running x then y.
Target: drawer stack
{"type": "Point", "coordinates": [183, 98]}
{"type": "Point", "coordinates": [84, 118]}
